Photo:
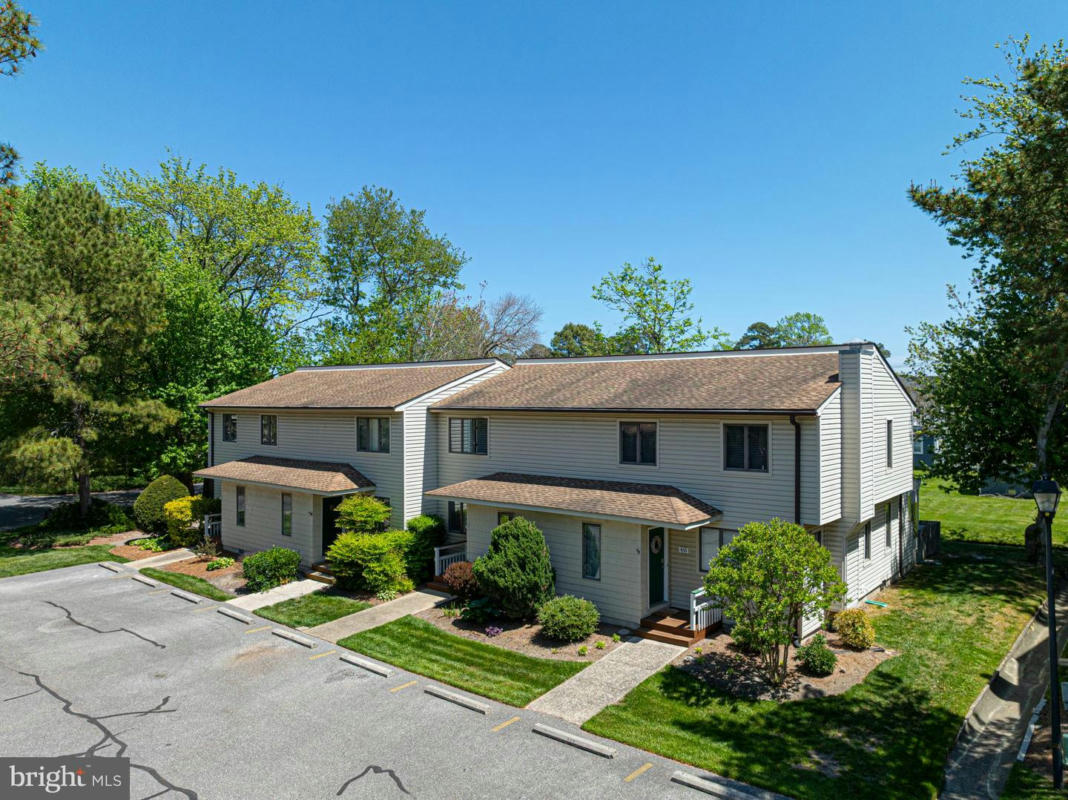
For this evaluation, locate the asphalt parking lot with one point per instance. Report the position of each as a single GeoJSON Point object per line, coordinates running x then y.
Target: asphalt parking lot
{"type": "Point", "coordinates": [208, 707]}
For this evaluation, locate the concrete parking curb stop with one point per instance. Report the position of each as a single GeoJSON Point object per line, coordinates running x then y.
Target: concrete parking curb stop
{"type": "Point", "coordinates": [457, 699]}
{"type": "Point", "coordinates": [723, 787]}
{"type": "Point", "coordinates": [590, 746]}
{"type": "Point", "coordinates": [191, 598]}
{"type": "Point", "coordinates": [370, 666]}
{"type": "Point", "coordinates": [301, 640]}
{"type": "Point", "coordinates": [227, 612]}
{"type": "Point", "coordinates": [111, 566]}
{"type": "Point", "coordinates": [144, 580]}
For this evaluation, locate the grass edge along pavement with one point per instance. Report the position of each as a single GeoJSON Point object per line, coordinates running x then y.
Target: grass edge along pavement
{"type": "Point", "coordinates": [189, 583]}
{"type": "Point", "coordinates": [313, 609]}
{"type": "Point", "coordinates": [887, 737]}
{"type": "Point", "coordinates": [23, 562]}
{"type": "Point", "coordinates": [494, 672]}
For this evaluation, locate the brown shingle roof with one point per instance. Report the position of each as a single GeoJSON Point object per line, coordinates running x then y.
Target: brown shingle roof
{"type": "Point", "coordinates": [797, 381]}
{"type": "Point", "coordinates": [348, 387]}
{"type": "Point", "coordinates": [319, 477]}
{"type": "Point", "coordinates": [647, 502]}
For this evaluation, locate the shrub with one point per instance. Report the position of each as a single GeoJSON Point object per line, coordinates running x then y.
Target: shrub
{"type": "Point", "coordinates": [270, 568]}
{"type": "Point", "coordinates": [461, 581]}
{"type": "Point", "coordinates": [362, 513]}
{"type": "Point", "coordinates": [816, 657]}
{"type": "Point", "coordinates": [182, 527]}
{"type": "Point", "coordinates": [427, 532]}
{"type": "Point", "coordinates": [480, 611]}
{"type": "Point", "coordinates": [600, 645]}
{"type": "Point", "coordinates": [568, 618]}
{"type": "Point", "coordinates": [583, 650]}
{"type": "Point", "coordinates": [854, 628]}
{"type": "Point", "coordinates": [373, 562]}
{"type": "Point", "coordinates": [152, 545]}
{"type": "Point", "coordinates": [220, 563]}
{"type": "Point", "coordinates": [515, 573]}
{"type": "Point", "coordinates": [148, 507]}
{"type": "Point", "coordinates": [103, 518]}
{"type": "Point", "coordinates": [771, 576]}
{"type": "Point", "coordinates": [494, 630]}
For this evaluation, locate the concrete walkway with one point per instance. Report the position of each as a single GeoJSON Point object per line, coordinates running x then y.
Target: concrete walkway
{"type": "Point", "coordinates": [287, 591]}
{"type": "Point", "coordinates": [411, 603]}
{"type": "Point", "coordinates": [606, 681]}
{"type": "Point", "coordinates": [990, 737]}
{"type": "Point", "coordinates": [170, 557]}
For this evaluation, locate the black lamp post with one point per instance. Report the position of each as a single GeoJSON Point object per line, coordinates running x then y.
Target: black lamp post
{"type": "Point", "coordinates": [1047, 494]}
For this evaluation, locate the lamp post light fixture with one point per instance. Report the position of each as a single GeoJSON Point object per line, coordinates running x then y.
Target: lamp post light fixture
{"type": "Point", "coordinates": [1047, 495]}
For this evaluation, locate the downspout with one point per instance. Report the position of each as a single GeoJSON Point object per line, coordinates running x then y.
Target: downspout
{"type": "Point", "coordinates": [797, 468]}
{"type": "Point", "coordinates": [211, 451]}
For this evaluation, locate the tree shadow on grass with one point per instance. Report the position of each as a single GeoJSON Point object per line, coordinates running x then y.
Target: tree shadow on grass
{"type": "Point", "coordinates": [881, 739]}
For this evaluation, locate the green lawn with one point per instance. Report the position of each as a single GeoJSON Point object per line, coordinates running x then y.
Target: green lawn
{"type": "Point", "coordinates": [17, 561]}
{"type": "Point", "coordinates": [887, 737]}
{"type": "Point", "coordinates": [417, 646]}
{"type": "Point", "coordinates": [1026, 784]}
{"type": "Point", "coordinates": [189, 583]}
{"type": "Point", "coordinates": [312, 609]}
{"type": "Point", "coordinates": [980, 518]}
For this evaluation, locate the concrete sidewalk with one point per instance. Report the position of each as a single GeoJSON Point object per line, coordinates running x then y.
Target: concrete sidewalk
{"type": "Point", "coordinates": [606, 681]}
{"type": "Point", "coordinates": [986, 746]}
{"type": "Point", "coordinates": [287, 591]}
{"type": "Point", "coordinates": [171, 557]}
{"type": "Point", "coordinates": [411, 603]}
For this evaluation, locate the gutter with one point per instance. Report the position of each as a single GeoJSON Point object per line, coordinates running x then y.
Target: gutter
{"type": "Point", "coordinates": [797, 467]}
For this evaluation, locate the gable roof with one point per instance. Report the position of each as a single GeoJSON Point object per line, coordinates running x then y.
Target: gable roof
{"type": "Point", "coordinates": [385, 386]}
{"type": "Point", "coordinates": [318, 477]}
{"type": "Point", "coordinates": [637, 502]}
{"type": "Point", "coordinates": [787, 381]}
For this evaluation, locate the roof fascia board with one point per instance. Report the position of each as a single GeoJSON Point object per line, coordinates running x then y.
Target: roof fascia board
{"type": "Point", "coordinates": [400, 365]}
{"type": "Point", "coordinates": [785, 412]}
{"type": "Point", "coordinates": [819, 409]}
{"type": "Point", "coordinates": [451, 384]}
{"type": "Point", "coordinates": [783, 351]}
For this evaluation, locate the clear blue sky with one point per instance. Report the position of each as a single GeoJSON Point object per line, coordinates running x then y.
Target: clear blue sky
{"type": "Point", "coordinates": [762, 150]}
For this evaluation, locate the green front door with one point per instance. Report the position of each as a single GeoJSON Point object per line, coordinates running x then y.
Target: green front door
{"type": "Point", "coordinates": [657, 544]}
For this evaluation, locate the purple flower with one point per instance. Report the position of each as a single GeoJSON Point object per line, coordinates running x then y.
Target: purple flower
{"type": "Point", "coordinates": [493, 630]}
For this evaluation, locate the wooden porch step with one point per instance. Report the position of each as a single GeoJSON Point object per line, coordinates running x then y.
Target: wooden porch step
{"type": "Point", "coordinates": [323, 567]}
{"type": "Point", "coordinates": [670, 627]}
{"type": "Point", "coordinates": [667, 623]}
{"type": "Point", "coordinates": [684, 639]}
{"type": "Point", "coordinates": [322, 577]}
{"type": "Point", "coordinates": [437, 583]}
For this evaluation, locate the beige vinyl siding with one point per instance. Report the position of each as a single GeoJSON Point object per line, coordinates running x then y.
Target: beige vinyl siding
{"type": "Point", "coordinates": [830, 459]}
{"type": "Point", "coordinates": [890, 403]}
{"type": "Point", "coordinates": [867, 575]}
{"type": "Point", "coordinates": [263, 522]}
{"type": "Point", "coordinates": [324, 436]}
{"type": "Point", "coordinates": [420, 445]}
{"type": "Point", "coordinates": [618, 594]}
{"type": "Point", "coordinates": [690, 457]}
{"type": "Point", "coordinates": [683, 575]}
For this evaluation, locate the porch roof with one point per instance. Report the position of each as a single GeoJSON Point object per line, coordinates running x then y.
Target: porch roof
{"type": "Point", "coordinates": [644, 503]}
{"type": "Point", "coordinates": [315, 477]}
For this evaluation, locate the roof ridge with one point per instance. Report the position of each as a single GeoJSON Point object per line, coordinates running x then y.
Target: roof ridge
{"type": "Point", "coordinates": [395, 365]}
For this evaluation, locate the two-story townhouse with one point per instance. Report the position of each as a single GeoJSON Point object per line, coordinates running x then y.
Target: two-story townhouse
{"type": "Point", "coordinates": [638, 469]}
{"type": "Point", "coordinates": [283, 453]}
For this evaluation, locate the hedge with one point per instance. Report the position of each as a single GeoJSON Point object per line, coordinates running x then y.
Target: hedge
{"type": "Point", "coordinates": [148, 507]}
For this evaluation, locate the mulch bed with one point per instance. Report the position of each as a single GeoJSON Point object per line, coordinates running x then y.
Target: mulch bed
{"type": "Point", "coordinates": [524, 638]}
{"type": "Point", "coordinates": [229, 579]}
{"type": "Point", "coordinates": [726, 667]}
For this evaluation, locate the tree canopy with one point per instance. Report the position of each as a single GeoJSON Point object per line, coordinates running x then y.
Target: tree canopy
{"type": "Point", "coordinates": [995, 373]}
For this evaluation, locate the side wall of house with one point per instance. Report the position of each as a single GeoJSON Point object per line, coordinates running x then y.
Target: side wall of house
{"type": "Point", "coordinates": [618, 594]}
{"type": "Point", "coordinates": [322, 436]}
{"type": "Point", "coordinates": [263, 521]}
{"type": "Point", "coordinates": [831, 455]}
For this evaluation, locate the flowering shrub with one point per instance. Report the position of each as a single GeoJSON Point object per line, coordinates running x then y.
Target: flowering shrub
{"type": "Point", "coordinates": [493, 630]}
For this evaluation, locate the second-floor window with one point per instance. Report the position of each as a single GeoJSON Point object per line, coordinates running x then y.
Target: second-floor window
{"type": "Point", "coordinates": [268, 429]}
{"type": "Point", "coordinates": [745, 447]}
{"type": "Point", "coordinates": [229, 427]}
{"type": "Point", "coordinates": [889, 443]}
{"type": "Point", "coordinates": [637, 443]}
{"type": "Point", "coordinates": [468, 435]}
{"type": "Point", "coordinates": [372, 434]}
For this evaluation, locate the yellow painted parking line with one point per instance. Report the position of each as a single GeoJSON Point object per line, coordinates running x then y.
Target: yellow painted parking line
{"type": "Point", "coordinates": [403, 686]}
{"type": "Point", "coordinates": [208, 608]}
{"type": "Point", "coordinates": [257, 630]}
{"type": "Point", "coordinates": [505, 724]}
{"type": "Point", "coordinates": [646, 766]}
{"type": "Point", "coordinates": [322, 655]}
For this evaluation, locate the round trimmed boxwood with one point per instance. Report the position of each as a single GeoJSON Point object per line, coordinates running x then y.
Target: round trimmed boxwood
{"type": "Point", "coordinates": [568, 618]}
{"type": "Point", "coordinates": [148, 507]}
{"type": "Point", "coordinates": [270, 568]}
{"type": "Point", "coordinates": [816, 657]}
{"type": "Point", "coordinates": [855, 628]}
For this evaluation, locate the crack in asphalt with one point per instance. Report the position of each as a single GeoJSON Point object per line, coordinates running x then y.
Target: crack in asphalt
{"type": "Point", "coordinates": [78, 622]}
{"type": "Point", "coordinates": [377, 770]}
{"type": "Point", "coordinates": [110, 737]}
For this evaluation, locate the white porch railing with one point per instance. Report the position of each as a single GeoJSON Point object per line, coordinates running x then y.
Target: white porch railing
{"type": "Point", "coordinates": [448, 554]}
{"type": "Point", "coordinates": [212, 525]}
{"type": "Point", "coordinates": [703, 612]}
